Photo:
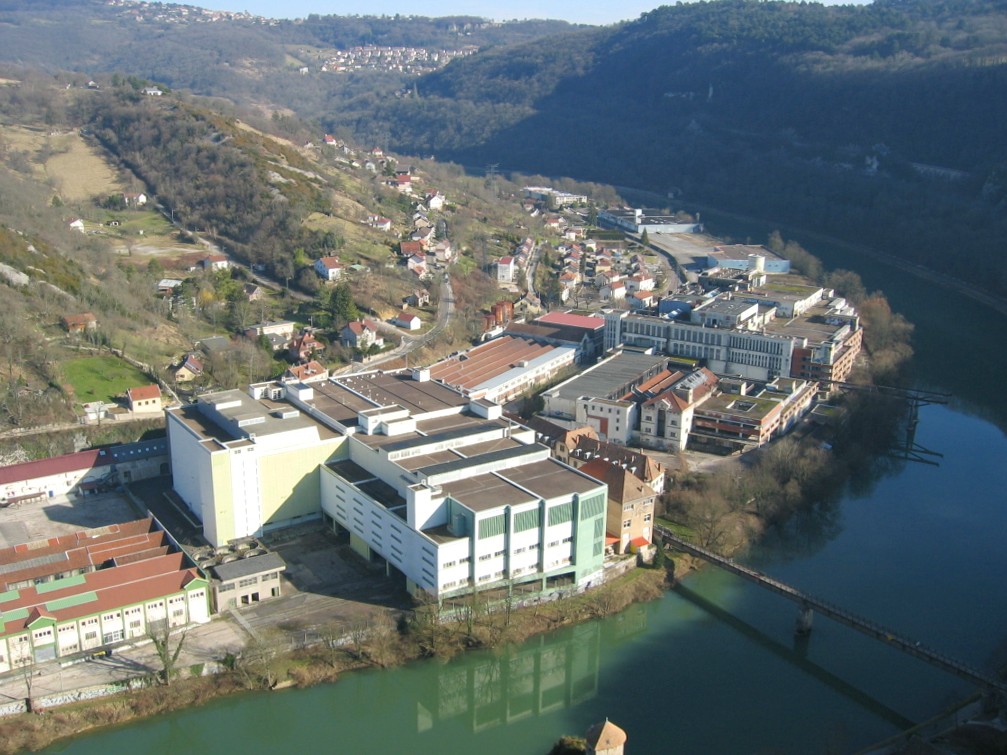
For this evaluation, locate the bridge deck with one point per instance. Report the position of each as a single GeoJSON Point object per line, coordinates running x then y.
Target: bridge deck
{"type": "Point", "coordinates": [834, 612]}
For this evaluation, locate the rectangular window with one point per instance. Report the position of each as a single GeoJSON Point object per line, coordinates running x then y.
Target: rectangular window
{"type": "Point", "coordinates": [248, 582]}
{"type": "Point", "coordinates": [626, 524]}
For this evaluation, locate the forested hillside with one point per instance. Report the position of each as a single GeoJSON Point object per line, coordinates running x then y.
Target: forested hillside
{"type": "Point", "coordinates": [879, 124]}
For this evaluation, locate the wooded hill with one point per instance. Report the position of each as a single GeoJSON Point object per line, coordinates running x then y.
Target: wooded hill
{"type": "Point", "coordinates": [878, 124]}
{"type": "Point", "coordinates": [881, 124]}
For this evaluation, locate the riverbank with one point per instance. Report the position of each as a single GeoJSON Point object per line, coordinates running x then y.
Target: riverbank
{"type": "Point", "coordinates": [265, 666]}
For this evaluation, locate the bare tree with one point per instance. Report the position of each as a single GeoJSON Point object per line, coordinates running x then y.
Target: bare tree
{"type": "Point", "coordinates": [159, 634]}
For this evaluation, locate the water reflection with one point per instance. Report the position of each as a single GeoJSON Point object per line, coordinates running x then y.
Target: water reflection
{"type": "Point", "coordinates": [797, 656]}
{"type": "Point", "coordinates": [545, 674]}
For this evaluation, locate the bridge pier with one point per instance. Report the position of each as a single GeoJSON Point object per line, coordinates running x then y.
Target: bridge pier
{"type": "Point", "coordinates": [805, 614]}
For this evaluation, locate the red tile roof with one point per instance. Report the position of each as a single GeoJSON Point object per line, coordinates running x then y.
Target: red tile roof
{"type": "Point", "coordinates": [113, 588]}
{"type": "Point", "coordinates": [567, 318]}
{"type": "Point", "coordinates": [144, 393]}
{"type": "Point", "coordinates": [33, 470]}
{"type": "Point", "coordinates": [87, 550]}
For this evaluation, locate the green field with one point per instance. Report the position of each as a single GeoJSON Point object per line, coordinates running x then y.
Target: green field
{"type": "Point", "coordinates": [101, 378]}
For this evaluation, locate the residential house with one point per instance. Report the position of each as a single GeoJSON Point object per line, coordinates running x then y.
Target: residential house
{"type": "Point", "coordinates": [329, 268]}
{"type": "Point", "coordinates": [606, 278]}
{"type": "Point", "coordinates": [278, 334]}
{"type": "Point", "coordinates": [434, 199]}
{"type": "Point", "coordinates": [403, 182]}
{"type": "Point", "coordinates": [417, 265]}
{"type": "Point", "coordinates": [588, 447]}
{"type": "Point", "coordinates": [146, 398]}
{"type": "Point", "coordinates": [79, 323]}
{"type": "Point", "coordinates": [362, 335]}
{"type": "Point", "coordinates": [215, 262]}
{"type": "Point", "coordinates": [152, 92]}
{"type": "Point", "coordinates": [283, 328]}
{"type": "Point", "coordinates": [506, 269]}
{"type": "Point", "coordinates": [167, 286]}
{"type": "Point", "coordinates": [426, 236]}
{"type": "Point", "coordinates": [310, 372]}
{"type": "Point", "coordinates": [615, 291]}
{"type": "Point", "coordinates": [303, 346]}
{"type": "Point", "coordinates": [134, 199]}
{"type": "Point", "coordinates": [253, 292]}
{"type": "Point", "coordinates": [443, 251]}
{"type": "Point", "coordinates": [640, 300]}
{"type": "Point", "coordinates": [77, 224]}
{"type": "Point", "coordinates": [190, 369]}
{"type": "Point", "coordinates": [420, 297]}
{"type": "Point", "coordinates": [409, 248]}
{"type": "Point", "coordinates": [640, 282]}
{"type": "Point", "coordinates": [629, 520]}
{"type": "Point", "coordinates": [379, 222]}
{"type": "Point", "coordinates": [408, 321]}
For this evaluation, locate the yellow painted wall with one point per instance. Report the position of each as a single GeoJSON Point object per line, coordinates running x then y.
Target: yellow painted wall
{"type": "Point", "coordinates": [223, 500]}
{"type": "Point", "coordinates": [289, 480]}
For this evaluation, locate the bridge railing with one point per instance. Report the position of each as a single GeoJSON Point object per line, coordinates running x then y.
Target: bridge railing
{"type": "Point", "coordinates": [850, 619]}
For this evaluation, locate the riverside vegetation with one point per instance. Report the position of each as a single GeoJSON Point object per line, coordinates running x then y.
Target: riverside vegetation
{"type": "Point", "coordinates": [270, 663]}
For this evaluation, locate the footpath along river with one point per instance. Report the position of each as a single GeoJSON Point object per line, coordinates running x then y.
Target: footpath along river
{"type": "Point", "coordinates": [714, 667]}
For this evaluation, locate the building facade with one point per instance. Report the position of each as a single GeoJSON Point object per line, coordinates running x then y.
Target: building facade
{"type": "Point", "coordinates": [244, 466]}
{"type": "Point", "coordinates": [82, 612]}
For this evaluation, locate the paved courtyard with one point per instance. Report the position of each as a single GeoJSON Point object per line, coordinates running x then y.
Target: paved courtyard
{"type": "Point", "coordinates": [28, 521]}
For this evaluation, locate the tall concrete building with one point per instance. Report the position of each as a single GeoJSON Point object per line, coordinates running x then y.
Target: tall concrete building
{"type": "Point", "coordinates": [435, 485]}
{"type": "Point", "coordinates": [244, 466]}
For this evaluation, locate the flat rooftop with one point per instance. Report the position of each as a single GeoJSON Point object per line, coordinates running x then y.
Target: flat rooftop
{"type": "Point", "coordinates": [729, 307]}
{"type": "Point", "coordinates": [487, 491]}
{"type": "Point", "coordinates": [450, 427]}
{"type": "Point", "coordinates": [229, 416]}
{"type": "Point", "coordinates": [549, 479]}
{"type": "Point", "coordinates": [385, 389]}
{"type": "Point", "coordinates": [612, 378]}
{"type": "Point", "coordinates": [32, 521]}
{"type": "Point", "coordinates": [811, 325]}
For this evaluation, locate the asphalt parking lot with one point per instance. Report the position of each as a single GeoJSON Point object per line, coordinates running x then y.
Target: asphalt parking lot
{"type": "Point", "coordinates": [326, 585]}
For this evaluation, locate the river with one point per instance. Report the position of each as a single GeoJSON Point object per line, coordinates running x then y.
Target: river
{"type": "Point", "coordinates": [714, 666]}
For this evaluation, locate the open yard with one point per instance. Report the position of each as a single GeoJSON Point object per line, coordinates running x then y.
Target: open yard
{"type": "Point", "coordinates": [79, 172]}
{"type": "Point", "coordinates": [101, 378]}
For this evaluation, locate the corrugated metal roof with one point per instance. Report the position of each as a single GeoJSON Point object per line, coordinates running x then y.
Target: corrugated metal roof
{"type": "Point", "coordinates": [33, 470]}
{"type": "Point", "coordinates": [59, 584]}
{"type": "Point", "coordinates": [71, 600]}
{"type": "Point", "coordinates": [246, 567]}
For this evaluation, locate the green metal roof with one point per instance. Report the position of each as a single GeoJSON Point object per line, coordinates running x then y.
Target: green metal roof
{"type": "Point", "coordinates": [17, 613]}
{"type": "Point", "coordinates": [70, 601]}
{"type": "Point", "coordinates": [59, 584]}
{"type": "Point", "coordinates": [8, 596]}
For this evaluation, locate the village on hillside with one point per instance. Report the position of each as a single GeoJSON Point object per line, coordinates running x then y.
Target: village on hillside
{"type": "Point", "coordinates": [523, 468]}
